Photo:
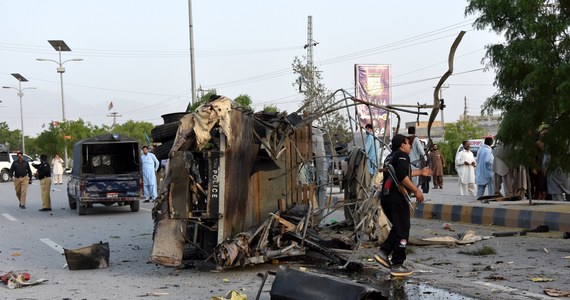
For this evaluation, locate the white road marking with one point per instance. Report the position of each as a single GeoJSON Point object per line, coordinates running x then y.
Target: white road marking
{"type": "Point", "coordinates": [510, 290]}
{"type": "Point", "coordinates": [52, 244]}
{"type": "Point", "coordinates": [142, 208]}
{"type": "Point", "coordinates": [9, 217]}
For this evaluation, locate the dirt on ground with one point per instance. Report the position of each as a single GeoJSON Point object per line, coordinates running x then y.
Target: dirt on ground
{"type": "Point", "coordinates": [515, 266]}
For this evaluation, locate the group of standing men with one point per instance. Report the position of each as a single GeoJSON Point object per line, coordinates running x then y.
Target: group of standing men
{"type": "Point", "coordinates": [21, 174]}
{"type": "Point", "coordinates": [475, 172]}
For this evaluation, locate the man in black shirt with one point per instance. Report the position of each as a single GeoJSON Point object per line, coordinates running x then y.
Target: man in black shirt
{"type": "Point", "coordinates": [22, 176]}
{"type": "Point", "coordinates": [395, 204]}
{"type": "Point", "coordinates": [44, 175]}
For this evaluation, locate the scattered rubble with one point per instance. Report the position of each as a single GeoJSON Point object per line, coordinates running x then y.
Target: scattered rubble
{"type": "Point", "coordinates": [15, 280]}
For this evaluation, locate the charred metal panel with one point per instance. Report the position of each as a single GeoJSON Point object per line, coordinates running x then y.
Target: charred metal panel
{"type": "Point", "coordinates": [299, 155]}
{"type": "Point", "coordinates": [180, 204]}
{"type": "Point", "coordinates": [239, 158]}
{"type": "Point", "coordinates": [291, 284]}
{"type": "Point", "coordinates": [266, 188]}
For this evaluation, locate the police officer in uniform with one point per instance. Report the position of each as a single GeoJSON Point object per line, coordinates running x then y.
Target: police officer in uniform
{"type": "Point", "coordinates": [22, 176]}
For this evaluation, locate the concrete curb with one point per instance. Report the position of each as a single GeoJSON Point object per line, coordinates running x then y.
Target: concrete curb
{"type": "Point", "coordinates": [509, 217]}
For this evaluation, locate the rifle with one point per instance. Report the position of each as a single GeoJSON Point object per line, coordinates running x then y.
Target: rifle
{"type": "Point", "coordinates": [388, 166]}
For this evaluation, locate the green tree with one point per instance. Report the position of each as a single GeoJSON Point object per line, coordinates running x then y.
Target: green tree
{"type": "Point", "coordinates": [210, 95]}
{"type": "Point", "coordinates": [135, 129]}
{"type": "Point", "coordinates": [270, 108]}
{"type": "Point", "coordinates": [317, 98]}
{"type": "Point", "coordinates": [455, 134]}
{"type": "Point", "coordinates": [244, 101]}
{"type": "Point", "coordinates": [532, 70]}
{"type": "Point", "coordinates": [10, 138]}
{"type": "Point", "coordinates": [49, 142]}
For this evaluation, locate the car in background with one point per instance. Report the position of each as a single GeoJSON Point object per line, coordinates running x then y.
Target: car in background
{"type": "Point", "coordinates": [475, 145]}
{"type": "Point", "coordinates": [6, 160]}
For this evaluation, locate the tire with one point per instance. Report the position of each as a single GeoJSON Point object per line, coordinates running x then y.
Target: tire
{"type": "Point", "coordinates": [135, 206]}
{"type": "Point", "coordinates": [161, 152]}
{"type": "Point", "coordinates": [72, 201]}
{"type": "Point", "coordinates": [173, 117]}
{"type": "Point", "coordinates": [165, 132]}
{"type": "Point", "coordinates": [4, 176]}
{"type": "Point", "coordinates": [81, 210]}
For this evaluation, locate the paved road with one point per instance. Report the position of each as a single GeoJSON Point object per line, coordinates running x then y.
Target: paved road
{"type": "Point", "coordinates": [32, 242]}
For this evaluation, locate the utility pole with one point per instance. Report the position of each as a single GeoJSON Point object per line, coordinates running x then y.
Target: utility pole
{"type": "Point", "coordinates": [311, 68]}
{"type": "Point", "coordinates": [192, 67]}
{"type": "Point", "coordinates": [465, 108]}
{"type": "Point", "coordinates": [201, 91]}
{"type": "Point", "coordinates": [114, 115]}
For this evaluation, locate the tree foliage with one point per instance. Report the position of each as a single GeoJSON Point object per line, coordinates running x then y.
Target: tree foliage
{"type": "Point", "coordinates": [309, 82]}
{"type": "Point", "coordinates": [209, 95]}
{"type": "Point", "coordinates": [532, 70]}
{"type": "Point", "coordinates": [270, 108]}
{"type": "Point", "coordinates": [138, 130]}
{"type": "Point", "coordinates": [244, 101]}
{"type": "Point", "coordinates": [10, 138]}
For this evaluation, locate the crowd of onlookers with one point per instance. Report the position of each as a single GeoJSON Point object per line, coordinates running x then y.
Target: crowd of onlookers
{"type": "Point", "coordinates": [490, 171]}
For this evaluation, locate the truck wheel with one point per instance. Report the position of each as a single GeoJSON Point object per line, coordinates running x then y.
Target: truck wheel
{"type": "Point", "coordinates": [82, 210]}
{"type": "Point", "coordinates": [173, 117]}
{"type": "Point", "coordinates": [165, 132]}
{"type": "Point", "coordinates": [135, 206]}
{"type": "Point", "coordinates": [4, 176]}
{"type": "Point", "coordinates": [161, 152]}
{"type": "Point", "coordinates": [72, 201]}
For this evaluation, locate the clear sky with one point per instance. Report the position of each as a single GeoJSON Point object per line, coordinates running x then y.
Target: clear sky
{"type": "Point", "coordinates": [136, 54]}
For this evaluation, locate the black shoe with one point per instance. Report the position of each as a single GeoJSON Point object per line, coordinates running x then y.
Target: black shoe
{"type": "Point", "coordinates": [382, 259]}
{"type": "Point", "coordinates": [146, 201]}
{"type": "Point", "coordinates": [22, 206]}
{"type": "Point", "coordinates": [45, 209]}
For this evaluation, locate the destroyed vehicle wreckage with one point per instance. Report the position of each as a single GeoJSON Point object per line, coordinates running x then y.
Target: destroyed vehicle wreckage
{"type": "Point", "coordinates": [230, 170]}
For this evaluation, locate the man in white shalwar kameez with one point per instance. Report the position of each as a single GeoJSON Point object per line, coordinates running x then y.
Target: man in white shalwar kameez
{"type": "Point", "coordinates": [465, 166]}
{"type": "Point", "coordinates": [149, 165]}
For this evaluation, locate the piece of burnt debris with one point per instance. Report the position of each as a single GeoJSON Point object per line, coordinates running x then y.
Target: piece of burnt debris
{"type": "Point", "coordinates": [294, 284]}
{"type": "Point", "coordinates": [282, 236]}
{"type": "Point", "coordinates": [95, 256]}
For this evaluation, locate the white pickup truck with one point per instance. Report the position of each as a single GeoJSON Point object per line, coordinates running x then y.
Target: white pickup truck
{"type": "Point", "coordinates": [6, 160]}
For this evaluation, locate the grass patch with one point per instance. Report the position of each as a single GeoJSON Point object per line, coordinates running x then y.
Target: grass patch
{"type": "Point", "coordinates": [486, 250]}
{"type": "Point", "coordinates": [410, 250]}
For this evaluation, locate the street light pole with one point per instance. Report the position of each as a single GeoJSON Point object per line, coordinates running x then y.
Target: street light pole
{"type": "Point", "coordinates": [192, 66]}
{"type": "Point", "coordinates": [59, 46]}
{"type": "Point", "coordinates": [61, 70]}
{"type": "Point", "coordinates": [20, 94]}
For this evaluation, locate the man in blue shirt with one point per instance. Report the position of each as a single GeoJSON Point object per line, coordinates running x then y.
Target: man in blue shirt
{"type": "Point", "coordinates": [149, 165]}
{"type": "Point", "coordinates": [484, 170]}
{"type": "Point", "coordinates": [417, 155]}
{"type": "Point", "coordinates": [373, 152]}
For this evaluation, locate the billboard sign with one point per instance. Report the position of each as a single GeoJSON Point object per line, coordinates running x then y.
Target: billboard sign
{"type": "Point", "coordinates": [373, 84]}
